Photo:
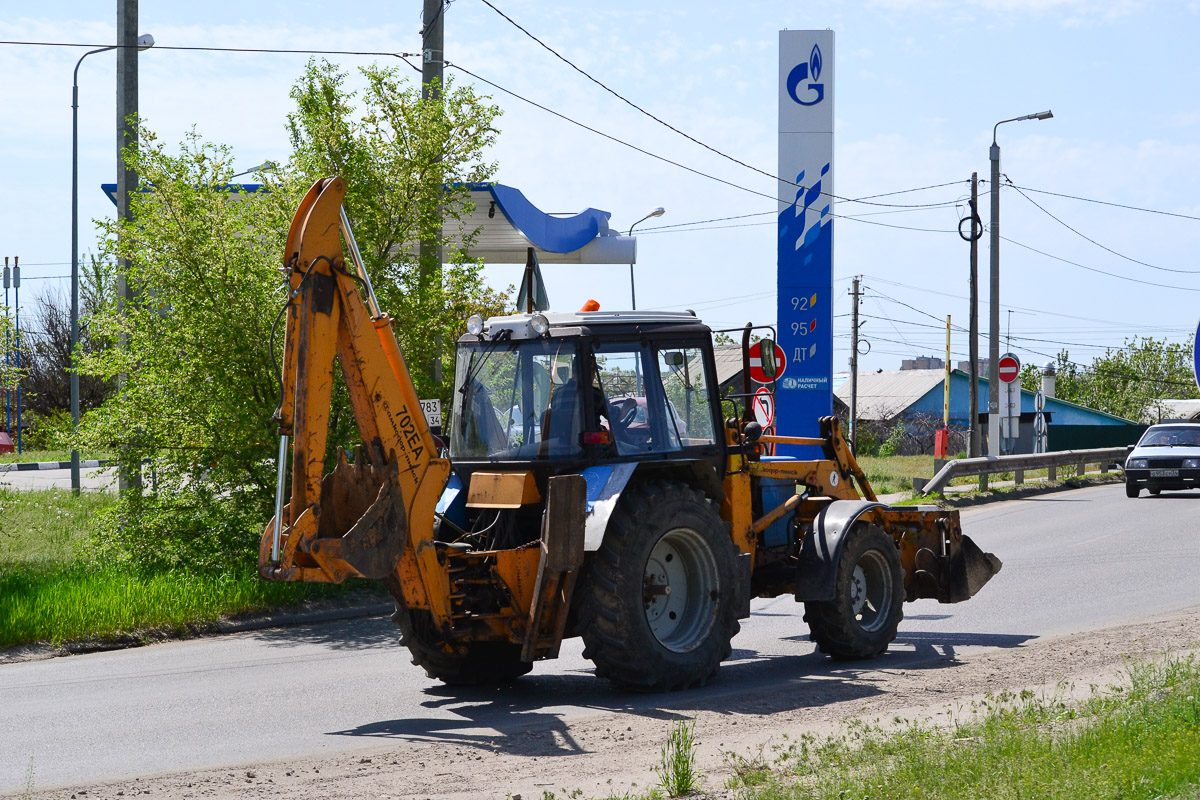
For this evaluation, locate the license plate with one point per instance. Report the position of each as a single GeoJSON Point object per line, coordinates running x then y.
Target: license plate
{"type": "Point", "coordinates": [1164, 473]}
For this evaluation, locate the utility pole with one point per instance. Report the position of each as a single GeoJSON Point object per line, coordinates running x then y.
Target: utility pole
{"type": "Point", "coordinates": [127, 179]}
{"type": "Point", "coordinates": [433, 19]}
{"type": "Point", "coordinates": [976, 233]}
{"type": "Point", "coordinates": [855, 293]}
{"type": "Point", "coordinates": [994, 309]}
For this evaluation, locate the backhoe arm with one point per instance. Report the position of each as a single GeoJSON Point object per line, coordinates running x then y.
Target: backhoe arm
{"type": "Point", "coordinates": [370, 518]}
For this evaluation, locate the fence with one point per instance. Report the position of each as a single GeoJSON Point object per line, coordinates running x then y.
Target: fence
{"type": "Point", "coordinates": [990, 465]}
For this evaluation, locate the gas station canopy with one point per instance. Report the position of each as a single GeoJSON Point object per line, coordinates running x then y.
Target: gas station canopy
{"type": "Point", "coordinates": [508, 225]}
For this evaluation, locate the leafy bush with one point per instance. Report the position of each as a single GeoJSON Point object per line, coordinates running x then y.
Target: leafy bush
{"type": "Point", "coordinates": [200, 385]}
{"type": "Point", "coordinates": [894, 441]}
{"type": "Point", "coordinates": [51, 431]}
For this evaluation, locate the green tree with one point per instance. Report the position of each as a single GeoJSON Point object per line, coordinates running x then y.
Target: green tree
{"type": "Point", "coordinates": [408, 163]}
{"type": "Point", "coordinates": [1126, 381]}
{"type": "Point", "coordinates": [198, 382]}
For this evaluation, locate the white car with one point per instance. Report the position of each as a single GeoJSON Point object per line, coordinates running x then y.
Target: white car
{"type": "Point", "coordinates": [1166, 457]}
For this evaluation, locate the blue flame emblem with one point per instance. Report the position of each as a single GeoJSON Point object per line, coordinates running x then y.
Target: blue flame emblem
{"type": "Point", "coordinates": [804, 71]}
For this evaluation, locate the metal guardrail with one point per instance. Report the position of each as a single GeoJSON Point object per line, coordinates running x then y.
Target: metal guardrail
{"type": "Point", "coordinates": [990, 465]}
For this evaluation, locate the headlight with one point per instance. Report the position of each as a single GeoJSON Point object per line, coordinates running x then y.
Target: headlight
{"type": "Point", "coordinates": [540, 324]}
{"type": "Point", "coordinates": [474, 324]}
{"type": "Point", "coordinates": [1137, 463]}
{"type": "Point", "coordinates": [1191, 463]}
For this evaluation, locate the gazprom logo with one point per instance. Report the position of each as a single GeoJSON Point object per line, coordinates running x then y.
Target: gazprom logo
{"type": "Point", "coordinates": [800, 74]}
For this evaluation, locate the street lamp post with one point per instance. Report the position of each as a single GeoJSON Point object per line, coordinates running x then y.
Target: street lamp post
{"type": "Point", "coordinates": [994, 320]}
{"type": "Point", "coordinates": [145, 42]}
{"type": "Point", "coordinates": [658, 212]}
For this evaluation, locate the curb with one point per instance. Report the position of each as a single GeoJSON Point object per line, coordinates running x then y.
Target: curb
{"type": "Point", "coordinates": [40, 651]}
{"type": "Point", "coordinates": [30, 466]}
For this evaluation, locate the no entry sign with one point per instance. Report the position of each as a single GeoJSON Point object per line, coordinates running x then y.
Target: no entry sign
{"type": "Point", "coordinates": [756, 362]}
{"type": "Point", "coordinates": [1010, 368]}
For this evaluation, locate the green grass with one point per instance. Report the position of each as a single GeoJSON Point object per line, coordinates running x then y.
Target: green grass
{"type": "Point", "coordinates": [81, 602]}
{"type": "Point", "coordinates": [891, 474]}
{"type": "Point", "coordinates": [1138, 740]}
{"type": "Point", "coordinates": [53, 589]}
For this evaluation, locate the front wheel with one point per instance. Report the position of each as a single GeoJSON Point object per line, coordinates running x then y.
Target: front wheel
{"type": "Point", "coordinates": [1154, 491]}
{"type": "Point", "coordinates": [658, 604]}
{"type": "Point", "coordinates": [861, 619]}
{"type": "Point", "coordinates": [1131, 489]}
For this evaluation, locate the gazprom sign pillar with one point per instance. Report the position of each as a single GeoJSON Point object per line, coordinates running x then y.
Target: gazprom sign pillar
{"type": "Point", "coordinates": [805, 255]}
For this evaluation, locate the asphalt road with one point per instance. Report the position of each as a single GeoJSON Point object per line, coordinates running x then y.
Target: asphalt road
{"type": "Point", "coordinates": [1073, 561]}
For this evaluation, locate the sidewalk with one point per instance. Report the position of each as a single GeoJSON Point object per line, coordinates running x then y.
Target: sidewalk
{"type": "Point", "coordinates": [92, 478]}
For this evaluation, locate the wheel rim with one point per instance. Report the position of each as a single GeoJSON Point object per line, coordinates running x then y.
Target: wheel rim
{"type": "Point", "coordinates": [681, 588]}
{"type": "Point", "coordinates": [871, 591]}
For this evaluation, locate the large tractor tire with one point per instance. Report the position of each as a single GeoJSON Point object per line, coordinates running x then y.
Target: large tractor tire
{"type": "Point", "coordinates": [658, 602]}
{"type": "Point", "coordinates": [861, 619]}
{"type": "Point", "coordinates": [468, 665]}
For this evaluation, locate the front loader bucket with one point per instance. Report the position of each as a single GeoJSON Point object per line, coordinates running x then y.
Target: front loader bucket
{"type": "Point", "coordinates": [946, 565]}
{"type": "Point", "coordinates": [362, 507]}
{"type": "Point", "coordinates": [970, 569]}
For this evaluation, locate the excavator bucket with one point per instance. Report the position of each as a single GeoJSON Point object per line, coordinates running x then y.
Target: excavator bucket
{"type": "Point", "coordinates": [362, 508]}
{"type": "Point", "coordinates": [970, 569]}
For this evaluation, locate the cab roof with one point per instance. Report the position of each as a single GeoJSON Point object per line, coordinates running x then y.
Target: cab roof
{"type": "Point", "coordinates": [575, 323]}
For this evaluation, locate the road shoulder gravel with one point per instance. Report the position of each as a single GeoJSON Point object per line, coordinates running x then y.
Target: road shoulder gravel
{"type": "Point", "coordinates": [612, 753]}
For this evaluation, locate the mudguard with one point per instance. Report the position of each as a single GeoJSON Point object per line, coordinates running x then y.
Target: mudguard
{"type": "Point", "coordinates": [817, 570]}
{"type": "Point", "coordinates": [604, 486]}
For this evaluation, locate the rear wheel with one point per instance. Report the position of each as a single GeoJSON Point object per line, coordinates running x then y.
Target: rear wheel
{"type": "Point", "coordinates": [658, 603]}
{"type": "Point", "coordinates": [1131, 489]}
{"type": "Point", "coordinates": [861, 619]}
{"type": "Point", "coordinates": [457, 664]}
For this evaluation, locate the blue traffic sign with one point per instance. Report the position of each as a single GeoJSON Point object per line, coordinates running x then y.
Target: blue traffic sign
{"type": "Point", "coordinates": [1196, 355]}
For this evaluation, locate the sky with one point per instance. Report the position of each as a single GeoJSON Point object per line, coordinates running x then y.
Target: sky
{"type": "Point", "coordinates": [919, 86]}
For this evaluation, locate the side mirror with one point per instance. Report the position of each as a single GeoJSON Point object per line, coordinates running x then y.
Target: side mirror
{"type": "Point", "coordinates": [767, 357]}
{"type": "Point", "coordinates": [674, 358]}
{"type": "Point", "coordinates": [752, 432]}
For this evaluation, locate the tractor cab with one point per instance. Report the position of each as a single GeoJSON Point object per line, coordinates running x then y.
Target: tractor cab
{"type": "Point", "coordinates": [585, 387]}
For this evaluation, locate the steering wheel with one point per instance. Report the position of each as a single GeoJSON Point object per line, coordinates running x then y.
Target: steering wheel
{"type": "Point", "coordinates": [624, 410]}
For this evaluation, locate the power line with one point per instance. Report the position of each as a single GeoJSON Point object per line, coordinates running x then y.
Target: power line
{"type": "Point", "coordinates": [671, 127]}
{"type": "Point", "coordinates": [224, 49]}
{"type": "Point", "coordinates": [1100, 271]}
{"type": "Point", "coordinates": [1106, 203]}
{"type": "Point", "coordinates": [664, 159]}
{"type": "Point", "coordinates": [1101, 246]}
{"type": "Point", "coordinates": [1118, 323]}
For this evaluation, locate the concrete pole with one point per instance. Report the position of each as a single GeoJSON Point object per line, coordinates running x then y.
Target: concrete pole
{"type": "Point", "coordinates": [432, 62]}
{"type": "Point", "coordinates": [994, 310]}
{"type": "Point", "coordinates": [854, 293]}
{"type": "Point", "coordinates": [974, 343]}
{"type": "Point", "coordinates": [127, 179]}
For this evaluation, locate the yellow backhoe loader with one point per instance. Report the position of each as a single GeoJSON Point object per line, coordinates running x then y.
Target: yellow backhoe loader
{"type": "Point", "coordinates": [592, 489]}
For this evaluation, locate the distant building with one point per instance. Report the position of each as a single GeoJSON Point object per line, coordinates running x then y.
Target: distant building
{"type": "Point", "coordinates": [965, 366]}
{"type": "Point", "coordinates": [915, 396]}
{"type": "Point", "coordinates": [1172, 411]}
{"type": "Point", "coordinates": [922, 362]}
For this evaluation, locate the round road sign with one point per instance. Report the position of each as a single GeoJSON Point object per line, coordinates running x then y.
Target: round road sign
{"type": "Point", "coordinates": [1010, 368]}
{"type": "Point", "coordinates": [764, 407]}
{"type": "Point", "coordinates": [1196, 356]}
{"type": "Point", "coordinates": [756, 363]}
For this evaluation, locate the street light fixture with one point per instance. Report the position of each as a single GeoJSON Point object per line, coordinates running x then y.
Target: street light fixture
{"type": "Point", "coordinates": [266, 166]}
{"type": "Point", "coordinates": [994, 320]}
{"type": "Point", "coordinates": [658, 212]}
{"type": "Point", "coordinates": [144, 42]}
